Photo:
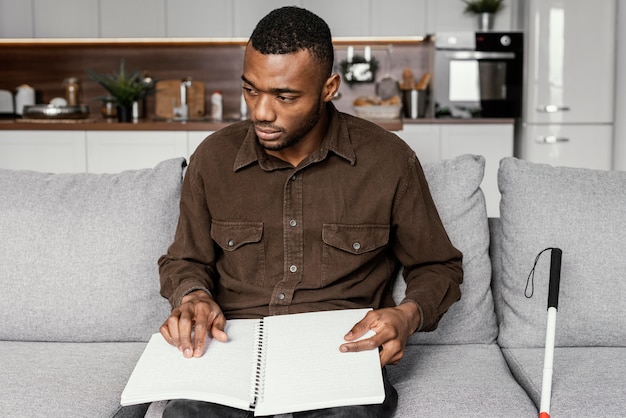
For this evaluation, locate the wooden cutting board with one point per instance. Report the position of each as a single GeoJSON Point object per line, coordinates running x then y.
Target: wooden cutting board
{"type": "Point", "coordinates": [167, 96]}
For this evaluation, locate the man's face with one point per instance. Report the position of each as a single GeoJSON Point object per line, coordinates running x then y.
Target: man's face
{"type": "Point", "coordinates": [285, 94]}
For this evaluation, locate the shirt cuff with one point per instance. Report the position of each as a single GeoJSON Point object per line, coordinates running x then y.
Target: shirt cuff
{"type": "Point", "coordinates": [193, 289]}
{"type": "Point", "coordinates": [419, 308]}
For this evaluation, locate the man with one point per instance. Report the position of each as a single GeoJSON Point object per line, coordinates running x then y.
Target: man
{"type": "Point", "coordinates": [304, 208]}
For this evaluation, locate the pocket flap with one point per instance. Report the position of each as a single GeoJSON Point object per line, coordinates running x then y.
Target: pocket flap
{"type": "Point", "coordinates": [232, 235]}
{"type": "Point", "coordinates": [355, 239]}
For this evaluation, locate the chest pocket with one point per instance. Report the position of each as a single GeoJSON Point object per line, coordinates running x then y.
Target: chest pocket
{"type": "Point", "coordinates": [243, 256]}
{"type": "Point", "coordinates": [349, 247]}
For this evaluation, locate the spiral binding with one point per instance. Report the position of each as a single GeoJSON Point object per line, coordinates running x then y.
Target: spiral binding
{"type": "Point", "coordinates": [258, 369]}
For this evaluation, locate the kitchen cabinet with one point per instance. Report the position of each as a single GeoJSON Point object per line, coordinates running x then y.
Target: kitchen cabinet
{"type": "Point", "coordinates": [424, 140]}
{"type": "Point", "coordinates": [570, 61]}
{"type": "Point", "coordinates": [345, 17]}
{"type": "Point", "coordinates": [16, 19]}
{"type": "Point", "coordinates": [448, 16]}
{"type": "Point", "coordinates": [66, 18]}
{"type": "Point", "coordinates": [47, 151]}
{"type": "Point", "coordinates": [436, 142]}
{"type": "Point", "coordinates": [111, 152]}
{"type": "Point", "coordinates": [199, 18]}
{"type": "Point", "coordinates": [398, 18]}
{"type": "Point", "coordinates": [587, 146]}
{"type": "Point", "coordinates": [131, 19]}
{"type": "Point", "coordinates": [228, 18]}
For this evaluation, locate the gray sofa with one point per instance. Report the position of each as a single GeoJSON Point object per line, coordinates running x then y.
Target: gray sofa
{"type": "Point", "coordinates": [79, 291]}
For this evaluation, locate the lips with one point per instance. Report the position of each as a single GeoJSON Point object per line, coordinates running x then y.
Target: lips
{"type": "Point", "coordinates": [267, 134]}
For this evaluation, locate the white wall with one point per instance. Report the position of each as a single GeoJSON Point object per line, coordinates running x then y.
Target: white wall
{"type": "Point", "coordinates": [619, 141]}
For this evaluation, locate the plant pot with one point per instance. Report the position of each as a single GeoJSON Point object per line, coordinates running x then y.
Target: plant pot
{"type": "Point", "coordinates": [485, 21]}
{"type": "Point", "coordinates": [124, 114]}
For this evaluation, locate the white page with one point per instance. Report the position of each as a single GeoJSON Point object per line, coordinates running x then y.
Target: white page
{"type": "Point", "coordinates": [337, 379]}
{"type": "Point", "coordinates": [223, 375]}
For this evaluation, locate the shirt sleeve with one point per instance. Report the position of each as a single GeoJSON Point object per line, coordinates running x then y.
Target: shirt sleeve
{"type": "Point", "coordinates": [189, 263]}
{"type": "Point", "coordinates": [432, 265]}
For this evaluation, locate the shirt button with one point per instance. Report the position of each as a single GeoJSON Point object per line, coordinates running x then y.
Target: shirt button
{"type": "Point", "coordinates": [293, 268]}
{"type": "Point", "coordinates": [293, 222]}
{"type": "Point", "coordinates": [293, 178]}
{"type": "Point", "coordinates": [281, 296]}
{"type": "Point", "coordinates": [231, 242]}
{"type": "Point", "coordinates": [356, 246]}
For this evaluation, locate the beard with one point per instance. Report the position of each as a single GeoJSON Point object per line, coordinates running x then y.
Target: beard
{"type": "Point", "coordinates": [308, 123]}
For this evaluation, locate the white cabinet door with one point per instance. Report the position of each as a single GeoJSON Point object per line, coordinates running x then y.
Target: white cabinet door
{"type": "Point", "coordinates": [345, 17]}
{"type": "Point", "coordinates": [115, 151]}
{"type": "Point", "coordinates": [424, 140]}
{"type": "Point", "coordinates": [587, 146]}
{"type": "Point", "coordinates": [65, 18]}
{"type": "Point", "coordinates": [47, 151]}
{"type": "Point", "coordinates": [570, 61]}
{"type": "Point", "coordinates": [194, 138]}
{"type": "Point", "coordinates": [132, 19]}
{"type": "Point", "coordinates": [16, 19]}
{"type": "Point", "coordinates": [199, 18]}
{"type": "Point", "coordinates": [493, 142]}
{"type": "Point", "coordinates": [448, 16]}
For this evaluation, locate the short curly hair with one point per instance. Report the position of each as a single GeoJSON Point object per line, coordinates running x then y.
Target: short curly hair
{"type": "Point", "coordinates": [291, 29]}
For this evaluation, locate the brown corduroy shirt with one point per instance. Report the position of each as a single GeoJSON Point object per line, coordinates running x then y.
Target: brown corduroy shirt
{"type": "Point", "coordinates": [265, 238]}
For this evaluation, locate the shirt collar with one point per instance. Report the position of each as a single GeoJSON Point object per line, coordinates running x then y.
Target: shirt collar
{"type": "Point", "coordinates": [336, 140]}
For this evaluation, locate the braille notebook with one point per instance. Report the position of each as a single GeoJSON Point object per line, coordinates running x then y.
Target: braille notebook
{"type": "Point", "coordinates": [273, 365]}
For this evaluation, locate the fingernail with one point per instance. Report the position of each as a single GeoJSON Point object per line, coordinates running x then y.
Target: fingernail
{"type": "Point", "coordinates": [187, 352]}
{"type": "Point", "coordinates": [343, 349]}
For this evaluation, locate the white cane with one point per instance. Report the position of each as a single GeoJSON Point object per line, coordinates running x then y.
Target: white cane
{"type": "Point", "coordinates": [553, 305]}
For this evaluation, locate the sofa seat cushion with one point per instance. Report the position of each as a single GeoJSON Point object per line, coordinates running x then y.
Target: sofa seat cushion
{"type": "Point", "coordinates": [457, 381]}
{"type": "Point", "coordinates": [41, 379]}
{"type": "Point", "coordinates": [586, 381]}
{"type": "Point", "coordinates": [583, 212]}
{"type": "Point", "coordinates": [80, 263]}
{"type": "Point", "coordinates": [455, 187]}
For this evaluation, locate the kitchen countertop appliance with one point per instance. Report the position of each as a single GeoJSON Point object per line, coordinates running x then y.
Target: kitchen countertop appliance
{"type": "Point", "coordinates": [478, 74]}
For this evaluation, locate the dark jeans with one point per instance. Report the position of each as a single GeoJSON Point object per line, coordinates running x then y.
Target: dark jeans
{"type": "Point", "coordinates": [182, 408]}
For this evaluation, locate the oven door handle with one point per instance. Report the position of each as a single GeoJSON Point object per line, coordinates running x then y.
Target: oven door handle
{"type": "Point", "coordinates": [551, 139]}
{"type": "Point", "coordinates": [479, 55]}
{"type": "Point", "coordinates": [552, 109]}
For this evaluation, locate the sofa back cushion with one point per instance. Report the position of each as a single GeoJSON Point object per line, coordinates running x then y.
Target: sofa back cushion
{"type": "Point", "coordinates": [583, 212]}
{"type": "Point", "coordinates": [78, 254]}
{"type": "Point", "coordinates": [455, 187]}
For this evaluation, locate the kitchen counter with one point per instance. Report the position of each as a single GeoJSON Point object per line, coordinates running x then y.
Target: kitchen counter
{"type": "Point", "coordinates": [98, 124]}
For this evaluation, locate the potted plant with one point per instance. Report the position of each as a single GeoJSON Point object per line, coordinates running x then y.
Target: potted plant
{"type": "Point", "coordinates": [125, 90]}
{"type": "Point", "coordinates": [485, 10]}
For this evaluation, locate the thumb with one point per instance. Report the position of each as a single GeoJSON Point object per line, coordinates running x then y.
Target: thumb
{"type": "Point", "coordinates": [217, 329]}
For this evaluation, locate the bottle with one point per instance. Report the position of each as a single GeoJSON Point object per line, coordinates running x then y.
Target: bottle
{"type": "Point", "coordinates": [72, 91]}
{"type": "Point", "coordinates": [25, 96]}
{"type": "Point", "coordinates": [216, 105]}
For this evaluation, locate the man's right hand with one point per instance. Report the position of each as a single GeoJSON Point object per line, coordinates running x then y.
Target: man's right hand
{"type": "Point", "coordinates": [199, 313]}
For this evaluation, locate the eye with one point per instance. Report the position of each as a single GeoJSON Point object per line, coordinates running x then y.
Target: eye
{"type": "Point", "coordinates": [286, 99]}
{"type": "Point", "coordinates": [250, 91]}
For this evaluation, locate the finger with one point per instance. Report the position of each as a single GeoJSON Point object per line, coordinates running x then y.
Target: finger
{"type": "Point", "coordinates": [185, 325]}
{"type": "Point", "coordinates": [361, 345]}
{"type": "Point", "coordinates": [217, 328]}
{"type": "Point", "coordinates": [391, 353]}
{"type": "Point", "coordinates": [170, 330]}
{"type": "Point", "coordinates": [199, 336]}
{"type": "Point", "coordinates": [165, 332]}
{"type": "Point", "coordinates": [360, 328]}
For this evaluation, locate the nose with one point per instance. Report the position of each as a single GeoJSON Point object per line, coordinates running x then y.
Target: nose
{"type": "Point", "coordinates": [263, 109]}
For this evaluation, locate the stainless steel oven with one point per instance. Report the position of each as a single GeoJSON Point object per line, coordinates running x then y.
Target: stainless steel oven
{"type": "Point", "coordinates": [478, 74]}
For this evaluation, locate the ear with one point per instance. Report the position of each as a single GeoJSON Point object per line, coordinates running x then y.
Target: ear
{"type": "Point", "coordinates": [331, 87]}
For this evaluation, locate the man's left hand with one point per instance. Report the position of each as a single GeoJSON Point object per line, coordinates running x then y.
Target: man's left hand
{"type": "Point", "coordinates": [393, 326]}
